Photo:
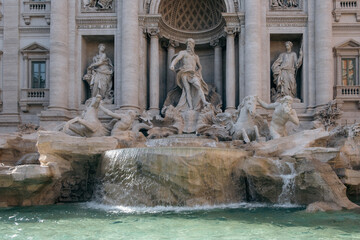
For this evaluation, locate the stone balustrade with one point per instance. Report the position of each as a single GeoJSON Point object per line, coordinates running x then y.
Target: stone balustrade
{"type": "Point", "coordinates": [346, 7]}
{"type": "Point", "coordinates": [34, 96]}
{"type": "Point", "coordinates": [36, 9]}
{"type": "Point", "coordinates": [348, 92]}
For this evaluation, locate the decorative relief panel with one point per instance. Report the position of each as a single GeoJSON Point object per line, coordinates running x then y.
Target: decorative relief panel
{"type": "Point", "coordinates": [285, 4]}
{"type": "Point", "coordinates": [97, 5]}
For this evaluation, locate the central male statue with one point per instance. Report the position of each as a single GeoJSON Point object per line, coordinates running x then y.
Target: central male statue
{"type": "Point", "coordinates": [189, 79]}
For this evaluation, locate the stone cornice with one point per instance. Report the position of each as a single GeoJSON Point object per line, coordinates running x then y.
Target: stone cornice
{"type": "Point", "coordinates": [286, 21]}
{"type": "Point", "coordinates": [34, 30]}
{"type": "Point", "coordinates": [346, 27]}
{"type": "Point", "coordinates": [96, 23]}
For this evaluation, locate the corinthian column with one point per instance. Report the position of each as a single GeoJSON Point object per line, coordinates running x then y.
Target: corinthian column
{"type": "Point", "coordinates": [230, 68]}
{"type": "Point", "coordinates": [170, 74]}
{"type": "Point", "coordinates": [154, 71]}
{"type": "Point", "coordinates": [59, 45]}
{"type": "Point", "coordinates": [253, 39]}
{"type": "Point", "coordinates": [217, 65]}
{"type": "Point", "coordinates": [130, 55]}
{"type": "Point", "coordinates": [324, 74]}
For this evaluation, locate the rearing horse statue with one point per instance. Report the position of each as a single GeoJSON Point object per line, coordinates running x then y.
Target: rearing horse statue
{"type": "Point", "coordinates": [245, 128]}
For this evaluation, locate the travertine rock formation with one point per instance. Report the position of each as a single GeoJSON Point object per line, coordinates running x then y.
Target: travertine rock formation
{"type": "Point", "coordinates": [295, 169]}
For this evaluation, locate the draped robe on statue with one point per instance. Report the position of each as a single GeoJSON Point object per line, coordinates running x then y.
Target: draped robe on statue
{"type": "Point", "coordinates": [193, 78]}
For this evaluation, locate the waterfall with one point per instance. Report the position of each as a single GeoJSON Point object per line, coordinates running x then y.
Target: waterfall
{"type": "Point", "coordinates": [288, 174]}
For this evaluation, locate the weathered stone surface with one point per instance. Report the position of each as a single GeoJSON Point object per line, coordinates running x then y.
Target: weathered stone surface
{"type": "Point", "coordinates": [30, 158]}
{"type": "Point", "coordinates": [26, 185]}
{"type": "Point", "coordinates": [349, 176]}
{"type": "Point", "coordinates": [60, 143]}
{"type": "Point", "coordinates": [290, 145]}
{"type": "Point", "coordinates": [14, 146]}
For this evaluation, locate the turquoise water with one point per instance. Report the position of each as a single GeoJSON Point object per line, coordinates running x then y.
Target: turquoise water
{"type": "Point", "coordinates": [236, 221]}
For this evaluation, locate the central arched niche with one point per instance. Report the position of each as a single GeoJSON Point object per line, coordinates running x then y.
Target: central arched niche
{"type": "Point", "coordinates": [201, 20]}
{"type": "Point", "coordinates": [198, 19]}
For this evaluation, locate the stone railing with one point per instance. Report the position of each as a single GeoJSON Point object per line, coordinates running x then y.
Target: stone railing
{"type": "Point", "coordinates": [36, 9]}
{"type": "Point", "coordinates": [346, 7]}
{"type": "Point", "coordinates": [348, 92]}
{"type": "Point", "coordinates": [34, 96]}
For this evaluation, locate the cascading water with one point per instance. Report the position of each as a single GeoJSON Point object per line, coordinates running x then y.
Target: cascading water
{"type": "Point", "coordinates": [176, 176]}
{"type": "Point", "coordinates": [287, 173]}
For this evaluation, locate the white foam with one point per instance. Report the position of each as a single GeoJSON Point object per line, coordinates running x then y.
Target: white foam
{"type": "Point", "coordinates": [176, 209]}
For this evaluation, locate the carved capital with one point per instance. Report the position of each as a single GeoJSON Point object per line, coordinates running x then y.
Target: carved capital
{"type": "Point", "coordinates": [166, 43]}
{"type": "Point", "coordinates": [232, 23]}
{"type": "Point", "coordinates": [218, 42]}
{"type": "Point", "coordinates": [151, 22]}
{"type": "Point", "coordinates": [173, 43]}
{"type": "Point", "coordinates": [231, 30]}
{"type": "Point", "coordinates": [153, 31]}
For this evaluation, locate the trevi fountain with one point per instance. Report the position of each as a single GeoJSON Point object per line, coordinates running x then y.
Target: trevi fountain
{"type": "Point", "coordinates": [192, 169]}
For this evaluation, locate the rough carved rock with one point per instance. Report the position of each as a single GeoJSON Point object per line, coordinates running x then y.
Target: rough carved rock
{"type": "Point", "coordinates": [26, 185]}
{"type": "Point", "coordinates": [186, 175]}
{"type": "Point", "coordinates": [328, 115]}
{"type": "Point", "coordinates": [16, 145]}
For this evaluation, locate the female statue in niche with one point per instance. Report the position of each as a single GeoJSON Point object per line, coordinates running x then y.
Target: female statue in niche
{"type": "Point", "coordinates": [99, 75]}
{"type": "Point", "coordinates": [284, 71]}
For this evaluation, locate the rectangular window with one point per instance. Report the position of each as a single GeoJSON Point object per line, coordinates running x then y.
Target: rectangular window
{"type": "Point", "coordinates": [38, 74]}
{"type": "Point", "coordinates": [348, 68]}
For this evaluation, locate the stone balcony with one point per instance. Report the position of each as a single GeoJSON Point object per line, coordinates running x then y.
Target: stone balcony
{"type": "Point", "coordinates": [348, 94]}
{"type": "Point", "coordinates": [36, 9]}
{"type": "Point", "coordinates": [34, 96]}
{"type": "Point", "coordinates": [346, 7]}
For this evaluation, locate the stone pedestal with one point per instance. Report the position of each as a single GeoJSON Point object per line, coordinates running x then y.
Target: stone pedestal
{"type": "Point", "coordinates": [190, 120]}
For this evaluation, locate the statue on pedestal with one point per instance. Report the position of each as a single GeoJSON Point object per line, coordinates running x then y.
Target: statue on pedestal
{"type": "Point", "coordinates": [189, 78]}
{"type": "Point", "coordinates": [282, 114]}
{"type": "Point", "coordinates": [99, 76]}
{"type": "Point", "coordinates": [284, 71]}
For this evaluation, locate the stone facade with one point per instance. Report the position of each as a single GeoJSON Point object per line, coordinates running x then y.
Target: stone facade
{"type": "Point", "coordinates": [46, 47]}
